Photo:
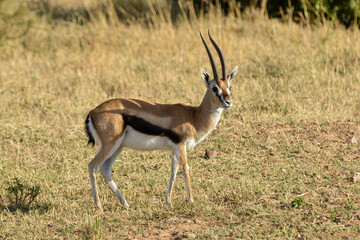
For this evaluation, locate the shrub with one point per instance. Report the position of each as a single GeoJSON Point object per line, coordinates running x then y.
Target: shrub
{"type": "Point", "coordinates": [298, 202]}
{"type": "Point", "coordinates": [21, 194]}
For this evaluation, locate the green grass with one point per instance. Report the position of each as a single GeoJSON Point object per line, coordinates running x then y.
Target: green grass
{"type": "Point", "coordinates": [296, 102]}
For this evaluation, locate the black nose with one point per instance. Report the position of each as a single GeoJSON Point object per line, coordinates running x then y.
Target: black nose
{"type": "Point", "coordinates": [228, 102]}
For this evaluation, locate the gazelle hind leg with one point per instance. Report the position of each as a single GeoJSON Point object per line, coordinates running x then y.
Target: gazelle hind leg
{"type": "Point", "coordinates": [106, 170]}
{"type": "Point", "coordinates": [105, 151]}
{"type": "Point", "coordinates": [174, 169]}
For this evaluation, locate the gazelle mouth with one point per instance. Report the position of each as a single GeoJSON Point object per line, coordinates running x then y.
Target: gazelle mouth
{"type": "Point", "coordinates": [227, 104]}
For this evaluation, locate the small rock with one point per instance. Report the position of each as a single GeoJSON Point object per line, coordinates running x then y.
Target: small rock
{"type": "Point", "coordinates": [190, 235]}
{"type": "Point", "coordinates": [327, 167]}
{"type": "Point", "coordinates": [352, 140]}
{"type": "Point", "coordinates": [345, 172]}
{"type": "Point", "coordinates": [210, 153]}
{"type": "Point", "coordinates": [284, 170]}
{"type": "Point", "coordinates": [356, 177]}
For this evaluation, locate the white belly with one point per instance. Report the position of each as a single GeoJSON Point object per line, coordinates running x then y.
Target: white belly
{"type": "Point", "coordinates": [139, 141]}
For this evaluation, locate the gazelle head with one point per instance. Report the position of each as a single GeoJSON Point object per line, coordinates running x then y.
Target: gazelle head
{"type": "Point", "coordinates": [220, 87]}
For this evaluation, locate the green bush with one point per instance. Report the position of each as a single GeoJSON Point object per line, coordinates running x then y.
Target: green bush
{"type": "Point", "coordinates": [21, 194]}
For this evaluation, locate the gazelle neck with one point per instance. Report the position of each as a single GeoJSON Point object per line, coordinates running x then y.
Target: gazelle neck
{"type": "Point", "coordinates": [207, 104]}
{"type": "Point", "coordinates": [207, 115]}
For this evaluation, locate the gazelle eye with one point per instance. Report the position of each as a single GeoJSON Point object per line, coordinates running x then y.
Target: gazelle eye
{"type": "Point", "coordinates": [214, 89]}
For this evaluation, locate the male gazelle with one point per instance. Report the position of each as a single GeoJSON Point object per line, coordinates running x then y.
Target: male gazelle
{"type": "Point", "coordinates": [143, 125]}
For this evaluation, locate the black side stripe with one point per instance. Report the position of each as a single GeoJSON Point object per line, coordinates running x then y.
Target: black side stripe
{"type": "Point", "coordinates": [148, 128]}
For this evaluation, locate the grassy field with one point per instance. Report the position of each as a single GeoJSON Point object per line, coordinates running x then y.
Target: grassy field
{"type": "Point", "coordinates": [285, 163]}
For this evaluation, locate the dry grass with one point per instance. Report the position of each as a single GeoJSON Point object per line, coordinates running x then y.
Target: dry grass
{"type": "Point", "coordinates": [296, 103]}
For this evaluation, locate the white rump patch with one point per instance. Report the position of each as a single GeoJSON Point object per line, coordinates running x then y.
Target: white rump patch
{"type": "Point", "coordinates": [93, 132]}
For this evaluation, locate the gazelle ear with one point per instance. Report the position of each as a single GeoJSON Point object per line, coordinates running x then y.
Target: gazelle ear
{"type": "Point", "coordinates": [232, 74]}
{"type": "Point", "coordinates": [205, 77]}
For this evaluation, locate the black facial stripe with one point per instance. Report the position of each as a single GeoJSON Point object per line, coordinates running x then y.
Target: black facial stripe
{"type": "Point", "coordinates": [148, 128]}
{"type": "Point", "coordinates": [219, 96]}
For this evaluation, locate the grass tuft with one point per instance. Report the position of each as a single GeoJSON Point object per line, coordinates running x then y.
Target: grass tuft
{"type": "Point", "coordinates": [21, 195]}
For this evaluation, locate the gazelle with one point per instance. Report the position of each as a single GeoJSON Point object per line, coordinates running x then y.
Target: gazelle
{"type": "Point", "coordinates": [143, 125]}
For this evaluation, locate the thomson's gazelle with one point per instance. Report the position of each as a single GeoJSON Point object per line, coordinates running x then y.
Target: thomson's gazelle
{"type": "Point", "coordinates": [144, 125]}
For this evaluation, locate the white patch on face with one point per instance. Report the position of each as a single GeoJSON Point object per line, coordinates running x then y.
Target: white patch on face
{"type": "Point", "coordinates": [228, 89]}
{"type": "Point", "coordinates": [143, 142]}
{"type": "Point", "coordinates": [214, 84]}
{"type": "Point", "coordinates": [218, 94]}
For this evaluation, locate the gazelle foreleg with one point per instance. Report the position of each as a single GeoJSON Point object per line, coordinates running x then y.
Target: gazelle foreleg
{"type": "Point", "coordinates": [106, 170]}
{"type": "Point", "coordinates": [174, 169]}
{"type": "Point", "coordinates": [185, 170]}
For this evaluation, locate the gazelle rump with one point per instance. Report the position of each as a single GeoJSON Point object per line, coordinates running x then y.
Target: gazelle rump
{"type": "Point", "coordinates": [143, 125]}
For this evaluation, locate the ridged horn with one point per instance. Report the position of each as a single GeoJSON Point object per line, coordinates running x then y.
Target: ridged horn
{"type": "Point", "coordinates": [220, 56]}
{"type": "Point", "coordinates": [216, 77]}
